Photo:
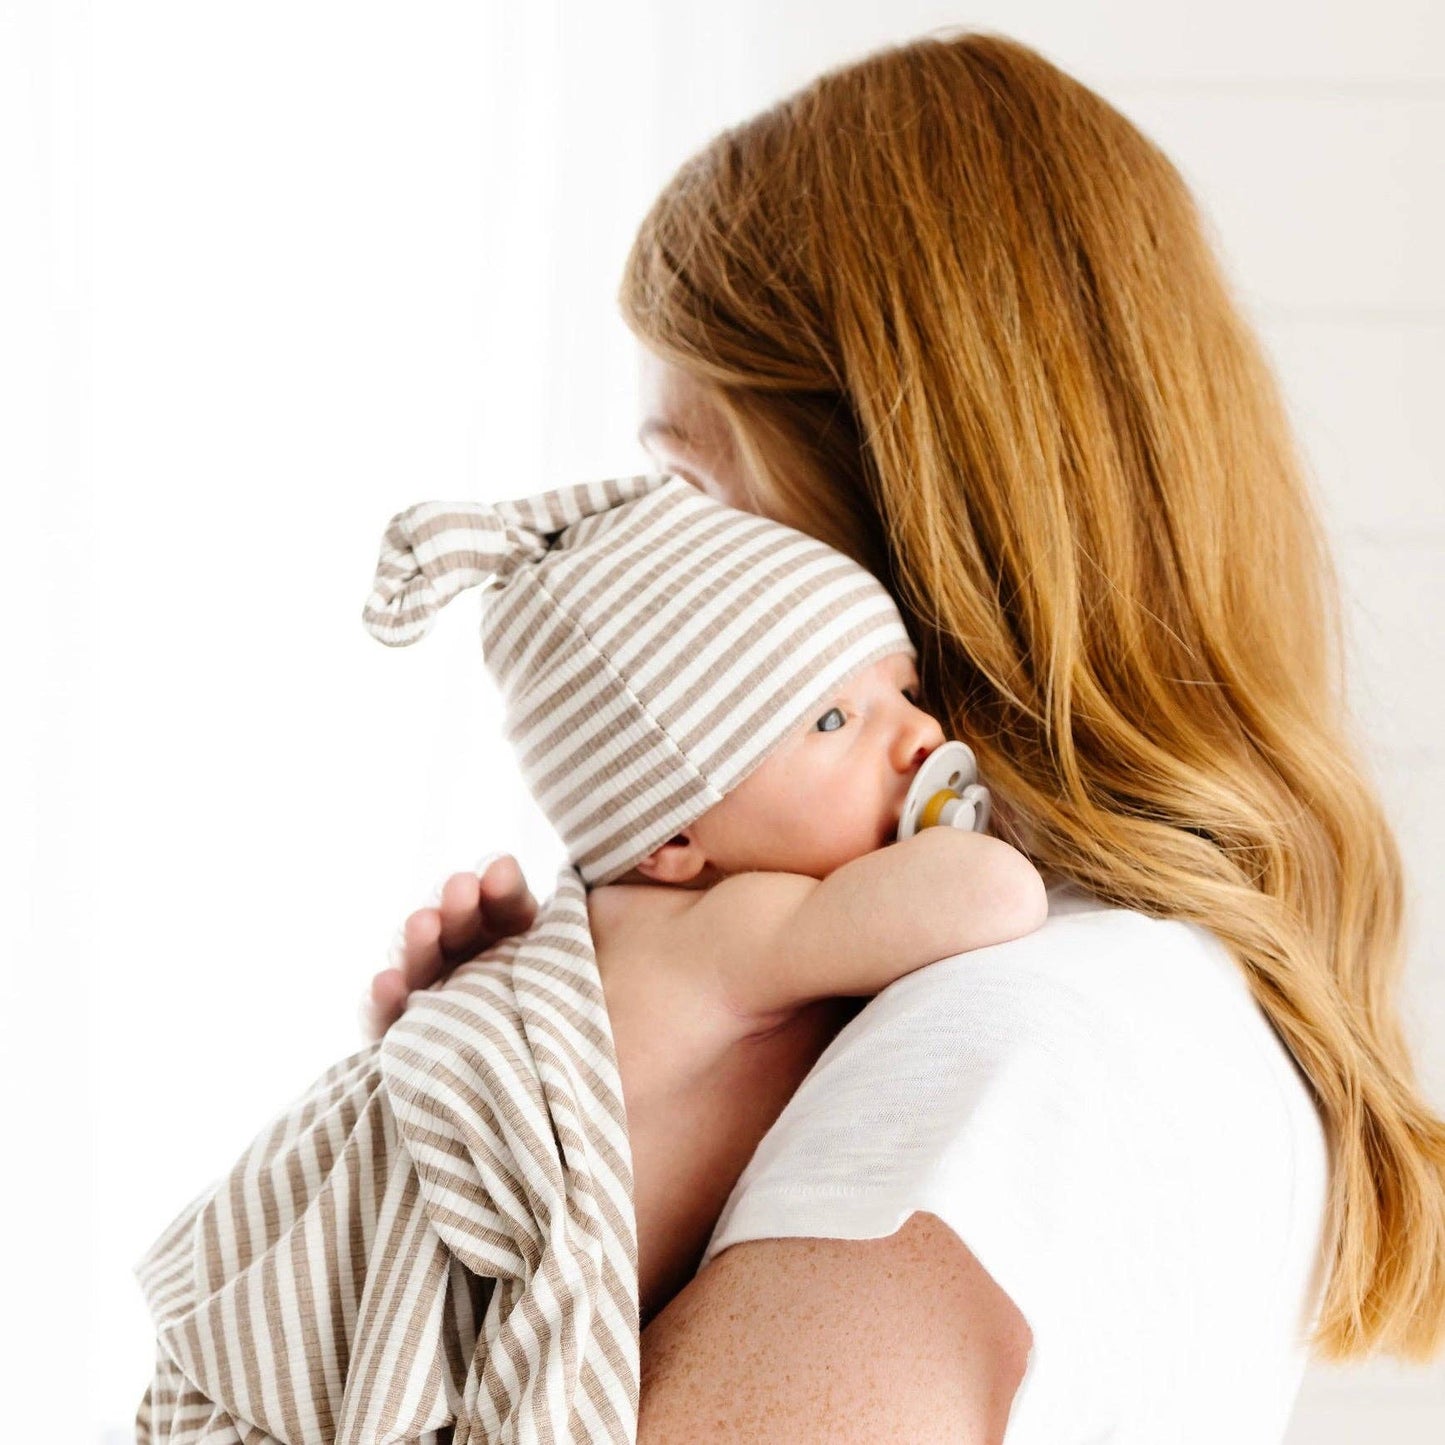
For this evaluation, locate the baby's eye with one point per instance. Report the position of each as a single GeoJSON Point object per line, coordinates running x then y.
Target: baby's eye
{"type": "Point", "coordinates": [911, 693]}
{"type": "Point", "coordinates": [824, 726]}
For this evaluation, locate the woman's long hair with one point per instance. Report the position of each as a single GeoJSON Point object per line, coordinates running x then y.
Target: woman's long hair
{"type": "Point", "coordinates": [964, 323]}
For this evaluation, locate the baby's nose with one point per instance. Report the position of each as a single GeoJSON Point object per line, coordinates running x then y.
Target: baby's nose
{"type": "Point", "coordinates": [917, 745]}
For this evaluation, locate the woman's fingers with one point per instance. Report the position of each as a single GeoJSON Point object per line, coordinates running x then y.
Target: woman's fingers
{"type": "Point", "coordinates": [422, 962]}
{"type": "Point", "coordinates": [506, 901]}
{"type": "Point", "coordinates": [417, 963]}
{"type": "Point", "coordinates": [470, 915]}
{"type": "Point", "coordinates": [462, 927]}
{"type": "Point", "coordinates": [383, 1004]}
{"type": "Point", "coordinates": [476, 912]}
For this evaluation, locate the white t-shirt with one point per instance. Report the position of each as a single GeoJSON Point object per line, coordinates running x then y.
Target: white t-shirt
{"type": "Point", "coordinates": [1104, 1117]}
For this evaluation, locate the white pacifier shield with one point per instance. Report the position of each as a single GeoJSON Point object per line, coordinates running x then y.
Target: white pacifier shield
{"type": "Point", "coordinates": [947, 780]}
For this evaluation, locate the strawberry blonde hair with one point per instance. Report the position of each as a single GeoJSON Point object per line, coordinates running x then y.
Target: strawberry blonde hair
{"type": "Point", "coordinates": [962, 321]}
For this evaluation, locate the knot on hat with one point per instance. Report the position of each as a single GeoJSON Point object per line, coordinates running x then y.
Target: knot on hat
{"type": "Point", "coordinates": [434, 550]}
{"type": "Point", "coordinates": [430, 553]}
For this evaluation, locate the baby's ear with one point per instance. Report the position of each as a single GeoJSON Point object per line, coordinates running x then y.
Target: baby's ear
{"type": "Point", "coordinates": [679, 862]}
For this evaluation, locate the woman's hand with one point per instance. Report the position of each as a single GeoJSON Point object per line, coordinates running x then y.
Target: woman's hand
{"type": "Point", "coordinates": [471, 914]}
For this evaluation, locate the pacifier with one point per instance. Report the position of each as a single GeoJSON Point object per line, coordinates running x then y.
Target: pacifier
{"type": "Point", "coordinates": [945, 793]}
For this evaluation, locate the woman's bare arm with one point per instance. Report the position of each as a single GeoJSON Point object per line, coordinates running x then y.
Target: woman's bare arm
{"type": "Point", "coordinates": [836, 1342]}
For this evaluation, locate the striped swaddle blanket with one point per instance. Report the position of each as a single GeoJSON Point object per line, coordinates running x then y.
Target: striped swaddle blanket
{"type": "Point", "coordinates": [436, 1243]}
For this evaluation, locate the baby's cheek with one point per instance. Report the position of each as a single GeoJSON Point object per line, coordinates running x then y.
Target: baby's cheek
{"type": "Point", "coordinates": [853, 836]}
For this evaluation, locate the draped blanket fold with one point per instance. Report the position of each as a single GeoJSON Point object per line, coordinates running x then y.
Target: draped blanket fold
{"type": "Point", "coordinates": [436, 1243]}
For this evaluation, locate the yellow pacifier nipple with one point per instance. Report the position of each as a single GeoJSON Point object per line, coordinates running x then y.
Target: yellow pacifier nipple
{"type": "Point", "coordinates": [932, 813]}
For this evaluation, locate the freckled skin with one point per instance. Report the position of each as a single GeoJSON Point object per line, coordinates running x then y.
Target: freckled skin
{"type": "Point", "coordinates": [849, 1311]}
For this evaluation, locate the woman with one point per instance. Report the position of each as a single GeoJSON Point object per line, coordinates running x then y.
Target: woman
{"type": "Point", "coordinates": [948, 311]}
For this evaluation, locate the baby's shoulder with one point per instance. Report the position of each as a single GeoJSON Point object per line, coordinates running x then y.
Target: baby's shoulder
{"type": "Point", "coordinates": [617, 910]}
{"type": "Point", "coordinates": [698, 941]}
{"type": "Point", "coordinates": [641, 915]}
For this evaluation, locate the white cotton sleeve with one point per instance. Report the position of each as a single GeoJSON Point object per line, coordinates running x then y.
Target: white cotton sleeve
{"type": "Point", "coordinates": [1102, 1115]}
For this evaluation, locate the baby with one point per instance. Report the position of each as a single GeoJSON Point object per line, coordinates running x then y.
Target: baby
{"type": "Point", "coordinates": [720, 716]}
{"type": "Point", "coordinates": [721, 1001]}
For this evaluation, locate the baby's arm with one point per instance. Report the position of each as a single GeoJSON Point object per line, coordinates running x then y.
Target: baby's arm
{"type": "Point", "coordinates": [775, 941]}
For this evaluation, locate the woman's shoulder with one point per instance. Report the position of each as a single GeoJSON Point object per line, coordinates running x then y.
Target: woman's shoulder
{"type": "Point", "coordinates": [1103, 1115]}
{"type": "Point", "coordinates": [1099, 992]}
{"type": "Point", "coordinates": [1105, 1044]}
{"type": "Point", "coordinates": [1155, 1014]}
{"type": "Point", "coordinates": [1092, 971]}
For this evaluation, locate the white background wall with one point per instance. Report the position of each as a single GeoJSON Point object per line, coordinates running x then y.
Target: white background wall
{"type": "Point", "coordinates": [269, 273]}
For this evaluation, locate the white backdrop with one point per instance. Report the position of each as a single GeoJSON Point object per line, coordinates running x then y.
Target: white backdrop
{"type": "Point", "coordinates": [269, 273]}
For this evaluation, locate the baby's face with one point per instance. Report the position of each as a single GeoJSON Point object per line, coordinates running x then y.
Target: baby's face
{"type": "Point", "coordinates": [834, 790]}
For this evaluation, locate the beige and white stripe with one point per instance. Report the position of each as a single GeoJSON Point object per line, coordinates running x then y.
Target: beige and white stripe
{"type": "Point", "coordinates": [652, 645]}
{"type": "Point", "coordinates": [436, 1243]}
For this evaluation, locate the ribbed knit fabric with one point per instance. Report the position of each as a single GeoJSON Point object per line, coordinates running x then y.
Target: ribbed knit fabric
{"type": "Point", "coordinates": [435, 1243]}
{"type": "Point", "coordinates": [438, 1241]}
{"type": "Point", "coordinates": [652, 645]}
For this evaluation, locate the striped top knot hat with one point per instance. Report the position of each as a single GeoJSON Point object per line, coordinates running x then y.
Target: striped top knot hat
{"type": "Point", "coordinates": [652, 646]}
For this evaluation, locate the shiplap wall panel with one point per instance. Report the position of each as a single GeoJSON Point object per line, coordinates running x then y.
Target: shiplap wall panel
{"type": "Point", "coordinates": [1365, 394]}
{"type": "Point", "coordinates": [1323, 199]}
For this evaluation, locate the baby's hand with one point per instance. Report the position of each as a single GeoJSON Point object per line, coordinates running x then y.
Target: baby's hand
{"type": "Point", "coordinates": [470, 915]}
